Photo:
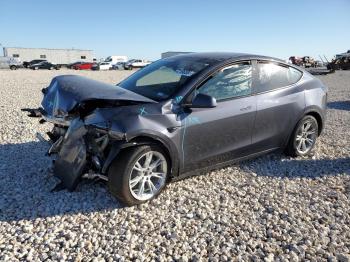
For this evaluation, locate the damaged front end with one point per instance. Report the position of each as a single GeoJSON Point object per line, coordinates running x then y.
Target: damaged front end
{"type": "Point", "coordinates": [84, 142]}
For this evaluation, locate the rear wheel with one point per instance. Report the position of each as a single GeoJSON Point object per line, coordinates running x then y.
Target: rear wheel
{"type": "Point", "coordinates": [139, 174]}
{"type": "Point", "coordinates": [13, 67]}
{"type": "Point", "coordinates": [303, 138]}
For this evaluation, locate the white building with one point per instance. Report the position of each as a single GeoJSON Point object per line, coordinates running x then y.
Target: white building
{"type": "Point", "coordinates": [56, 56]}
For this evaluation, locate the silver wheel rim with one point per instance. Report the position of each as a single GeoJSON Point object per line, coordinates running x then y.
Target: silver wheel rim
{"type": "Point", "coordinates": [306, 137]}
{"type": "Point", "coordinates": [148, 175]}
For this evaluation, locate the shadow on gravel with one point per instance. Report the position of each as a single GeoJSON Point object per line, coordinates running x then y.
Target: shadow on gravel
{"type": "Point", "coordinates": [25, 187]}
{"type": "Point", "coordinates": [276, 166]}
{"type": "Point", "coordinates": [339, 105]}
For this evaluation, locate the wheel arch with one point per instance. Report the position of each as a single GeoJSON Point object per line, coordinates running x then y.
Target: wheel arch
{"type": "Point", "coordinates": [319, 118]}
{"type": "Point", "coordinates": [148, 139]}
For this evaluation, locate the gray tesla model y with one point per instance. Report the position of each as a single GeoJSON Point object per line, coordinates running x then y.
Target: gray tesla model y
{"type": "Point", "coordinates": [179, 116]}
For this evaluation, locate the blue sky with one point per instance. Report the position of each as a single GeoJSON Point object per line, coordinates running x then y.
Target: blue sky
{"type": "Point", "coordinates": [144, 29]}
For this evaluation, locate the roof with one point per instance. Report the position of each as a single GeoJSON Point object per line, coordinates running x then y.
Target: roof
{"type": "Point", "coordinates": [223, 56]}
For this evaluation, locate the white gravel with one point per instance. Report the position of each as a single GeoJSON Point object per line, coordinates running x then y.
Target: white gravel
{"type": "Point", "coordinates": [272, 208]}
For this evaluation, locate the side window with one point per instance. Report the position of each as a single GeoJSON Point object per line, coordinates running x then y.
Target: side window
{"type": "Point", "coordinates": [272, 76]}
{"type": "Point", "coordinates": [229, 82]}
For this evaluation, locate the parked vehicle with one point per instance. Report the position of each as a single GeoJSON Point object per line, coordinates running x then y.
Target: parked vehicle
{"type": "Point", "coordinates": [118, 66]}
{"type": "Point", "coordinates": [340, 63]}
{"type": "Point", "coordinates": [305, 61]}
{"type": "Point", "coordinates": [9, 63]}
{"type": "Point", "coordinates": [136, 63]}
{"type": "Point", "coordinates": [116, 58]}
{"type": "Point", "coordinates": [105, 66]}
{"type": "Point", "coordinates": [36, 61]}
{"type": "Point", "coordinates": [44, 65]}
{"type": "Point", "coordinates": [70, 66]}
{"type": "Point", "coordinates": [177, 117]}
{"type": "Point", "coordinates": [83, 66]}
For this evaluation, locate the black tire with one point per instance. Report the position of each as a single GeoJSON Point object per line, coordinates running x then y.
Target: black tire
{"type": "Point", "coordinates": [13, 67]}
{"type": "Point", "coordinates": [120, 171]}
{"type": "Point", "coordinates": [292, 147]}
{"type": "Point", "coordinates": [51, 68]}
{"type": "Point", "coordinates": [36, 68]}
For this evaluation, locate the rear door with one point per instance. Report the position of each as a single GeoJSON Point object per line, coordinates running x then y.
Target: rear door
{"type": "Point", "coordinates": [280, 103]}
{"type": "Point", "coordinates": [223, 133]}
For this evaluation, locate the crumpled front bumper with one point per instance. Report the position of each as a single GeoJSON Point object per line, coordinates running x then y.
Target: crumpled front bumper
{"type": "Point", "coordinates": [72, 156]}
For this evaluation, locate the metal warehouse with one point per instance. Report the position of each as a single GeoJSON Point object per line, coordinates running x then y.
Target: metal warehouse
{"type": "Point", "coordinates": [56, 56]}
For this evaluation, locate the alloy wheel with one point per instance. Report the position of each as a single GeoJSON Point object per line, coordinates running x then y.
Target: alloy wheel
{"type": "Point", "coordinates": [148, 175]}
{"type": "Point", "coordinates": [306, 137]}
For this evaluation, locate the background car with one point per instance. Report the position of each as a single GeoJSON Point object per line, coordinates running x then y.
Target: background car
{"type": "Point", "coordinates": [44, 65]}
{"type": "Point", "coordinates": [118, 66]}
{"type": "Point", "coordinates": [9, 63]}
{"type": "Point", "coordinates": [135, 63]}
{"type": "Point", "coordinates": [32, 62]}
{"type": "Point", "coordinates": [70, 66]}
{"type": "Point", "coordinates": [82, 66]}
{"type": "Point", "coordinates": [105, 66]}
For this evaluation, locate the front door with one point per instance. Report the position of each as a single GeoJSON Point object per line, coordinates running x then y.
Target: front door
{"type": "Point", "coordinates": [223, 133]}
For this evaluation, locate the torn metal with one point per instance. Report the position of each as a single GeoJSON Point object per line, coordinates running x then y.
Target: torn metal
{"type": "Point", "coordinates": [92, 121]}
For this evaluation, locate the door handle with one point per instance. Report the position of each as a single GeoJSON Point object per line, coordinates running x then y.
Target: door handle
{"type": "Point", "coordinates": [246, 108]}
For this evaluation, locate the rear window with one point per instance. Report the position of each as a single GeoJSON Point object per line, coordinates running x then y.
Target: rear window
{"type": "Point", "coordinates": [272, 76]}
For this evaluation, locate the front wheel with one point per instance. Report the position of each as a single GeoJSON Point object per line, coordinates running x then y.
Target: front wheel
{"type": "Point", "coordinates": [303, 138]}
{"type": "Point", "coordinates": [13, 67]}
{"type": "Point", "coordinates": [139, 174]}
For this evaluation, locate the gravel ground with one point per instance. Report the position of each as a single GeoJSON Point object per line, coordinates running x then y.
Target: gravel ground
{"type": "Point", "coordinates": [272, 208]}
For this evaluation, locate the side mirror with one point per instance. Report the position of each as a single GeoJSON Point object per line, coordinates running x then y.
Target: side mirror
{"type": "Point", "coordinates": [203, 101]}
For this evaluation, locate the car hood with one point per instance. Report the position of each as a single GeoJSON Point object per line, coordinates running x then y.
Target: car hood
{"type": "Point", "coordinates": [67, 91]}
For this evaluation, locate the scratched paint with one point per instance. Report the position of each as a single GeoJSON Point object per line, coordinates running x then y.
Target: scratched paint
{"type": "Point", "coordinates": [186, 122]}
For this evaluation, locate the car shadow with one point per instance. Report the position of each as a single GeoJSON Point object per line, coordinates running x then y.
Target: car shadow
{"type": "Point", "coordinates": [26, 187]}
{"type": "Point", "coordinates": [277, 165]}
{"type": "Point", "coordinates": [26, 182]}
{"type": "Point", "coordinates": [339, 105]}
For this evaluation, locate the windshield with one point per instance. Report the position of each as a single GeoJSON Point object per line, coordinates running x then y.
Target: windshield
{"type": "Point", "coordinates": [161, 79]}
{"type": "Point", "coordinates": [108, 59]}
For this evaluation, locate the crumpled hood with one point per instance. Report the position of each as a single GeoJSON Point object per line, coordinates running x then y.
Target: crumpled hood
{"type": "Point", "coordinates": [67, 91]}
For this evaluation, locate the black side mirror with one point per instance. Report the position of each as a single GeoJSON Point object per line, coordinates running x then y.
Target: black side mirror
{"type": "Point", "coordinates": [203, 101]}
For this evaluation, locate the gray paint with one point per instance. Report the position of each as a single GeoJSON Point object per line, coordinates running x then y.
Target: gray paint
{"type": "Point", "coordinates": [195, 138]}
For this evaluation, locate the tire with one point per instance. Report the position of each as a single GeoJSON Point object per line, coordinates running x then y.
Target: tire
{"type": "Point", "coordinates": [122, 171]}
{"type": "Point", "coordinates": [295, 145]}
{"type": "Point", "coordinates": [51, 68]}
{"type": "Point", "coordinates": [13, 67]}
{"type": "Point", "coordinates": [36, 68]}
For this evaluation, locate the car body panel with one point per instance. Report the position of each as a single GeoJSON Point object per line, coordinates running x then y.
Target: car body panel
{"type": "Point", "coordinates": [217, 134]}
